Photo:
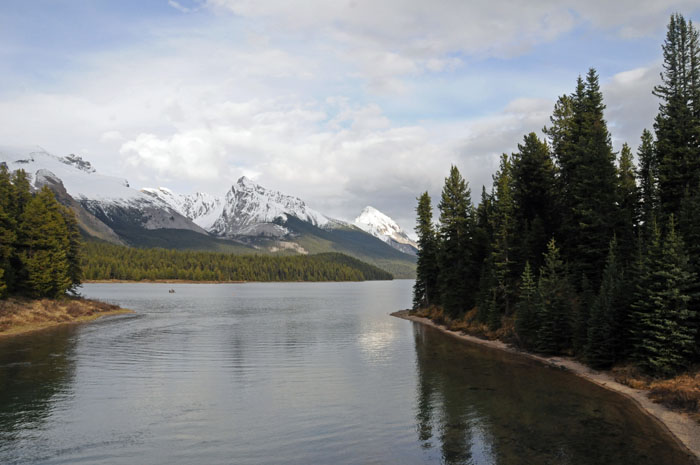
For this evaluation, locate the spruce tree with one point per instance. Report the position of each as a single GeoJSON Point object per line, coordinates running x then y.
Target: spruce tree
{"type": "Point", "coordinates": [526, 309]}
{"type": "Point", "coordinates": [677, 124]}
{"type": "Point", "coordinates": [555, 304]}
{"type": "Point", "coordinates": [425, 289]}
{"type": "Point", "coordinates": [648, 182]}
{"type": "Point", "coordinates": [664, 336]}
{"type": "Point", "coordinates": [629, 208]}
{"type": "Point", "coordinates": [502, 248]}
{"type": "Point", "coordinates": [74, 249]}
{"type": "Point", "coordinates": [603, 325]}
{"type": "Point", "coordinates": [44, 244]}
{"type": "Point", "coordinates": [535, 199]}
{"type": "Point", "coordinates": [457, 287]}
{"type": "Point", "coordinates": [588, 181]}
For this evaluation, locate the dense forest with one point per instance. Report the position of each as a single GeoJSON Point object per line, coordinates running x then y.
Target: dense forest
{"type": "Point", "coordinates": [106, 261]}
{"type": "Point", "coordinates": [577, 249]}
{"type": "Point", "coordinates": [39, 240]}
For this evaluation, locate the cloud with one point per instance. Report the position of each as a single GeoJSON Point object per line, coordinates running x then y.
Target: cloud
{"type": "Point", "coordinates": [631, 107]}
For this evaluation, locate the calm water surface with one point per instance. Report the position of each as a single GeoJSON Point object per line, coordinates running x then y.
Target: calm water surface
{"type": "Point", "coordinates": [296, 374]}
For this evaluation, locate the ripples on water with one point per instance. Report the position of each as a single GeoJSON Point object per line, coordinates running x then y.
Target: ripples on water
{"type": "Point", "coordinates": [299, 374]}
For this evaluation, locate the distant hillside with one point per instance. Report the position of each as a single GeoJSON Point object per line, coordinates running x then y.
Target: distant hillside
{"type": "Point", "coordinates": [104, 261]}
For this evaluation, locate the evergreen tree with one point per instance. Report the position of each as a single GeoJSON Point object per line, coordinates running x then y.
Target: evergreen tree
{"type": "Point", "coordinates": [629, 208]}
{"type": "Point", "coordinates": [74, 250]}
{"type": "Point", "coordinates": [526, 311]}
{"type": "Point", "coordinates": [582, 316]}
{"type": "Point", "coordinates": [588, 181]}
{"type": "Point", "coordinates": [425, 289]}
{"type": "Point", "coordinates": [648, 181]}
{"type": "Point", "coordinates": [555, 304]}
{"type": "Point", "coordinates": [44, 244]}
{"type": "Point", "coordinates": [457, 290]}
{"type": "Point", "coordinates": [664, 334]}
{"type": "Point", "coordinates": [603, 325]}
{"type": "Point", "coordinates": [504, 231]}
{"type": "Point", "coordinates": [534, 195]}
{"type": "Point", "coordinates": [678, 123]}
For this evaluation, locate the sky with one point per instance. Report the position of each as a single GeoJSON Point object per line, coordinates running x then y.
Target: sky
{"type": "Point", "coordinates": [341, 103]}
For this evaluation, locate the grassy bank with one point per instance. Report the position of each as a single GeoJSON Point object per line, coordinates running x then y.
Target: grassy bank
{"type": "Point", "coordinates": [19, 316]}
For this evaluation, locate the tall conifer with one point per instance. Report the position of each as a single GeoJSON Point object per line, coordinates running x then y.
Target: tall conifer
{"type": "Point", "coordinates": [457, 291]}
{"type": "Point", "coordinates": [425, 289]}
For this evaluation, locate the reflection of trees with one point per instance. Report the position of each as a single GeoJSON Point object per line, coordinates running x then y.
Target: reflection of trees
{"type": "Point", "coordinates": [33, 369]}
{"type": "Point", "coordinates": [442, 404]}
{"type": "Point", "coordinates": [484, 407]}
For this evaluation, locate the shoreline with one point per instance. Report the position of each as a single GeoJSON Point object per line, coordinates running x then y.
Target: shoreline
{"type": "Point", "coordinates": [19, 317]}
{"type": "Point", "coordinates": [684, 430]}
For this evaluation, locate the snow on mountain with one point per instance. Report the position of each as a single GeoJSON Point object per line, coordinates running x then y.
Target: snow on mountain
{"type": "Point", "coordinates": [383, 227]}
{"type": "Point", "coordinates": [250, 209]}
{"type": "Point", "coordinates": [107, 197]}
{"type": "Point", "coordinates": [247, 209]}
{"type": "Point", "coordinates": [203, 209]}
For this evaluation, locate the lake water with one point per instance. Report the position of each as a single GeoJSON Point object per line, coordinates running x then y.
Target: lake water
{"type": "Point", "coordinates": [297, 373]}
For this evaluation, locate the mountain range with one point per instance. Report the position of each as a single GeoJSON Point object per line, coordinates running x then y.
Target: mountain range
{"type": "Point", "coordinates": [248, 218]}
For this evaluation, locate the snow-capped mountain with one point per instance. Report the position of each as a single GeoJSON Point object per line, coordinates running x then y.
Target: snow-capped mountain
{"type": "Point", "coordinates": [251, 210]}
{"type": "Point", "coordinates": [108, 198]}
{"type": "Point", "coordinates": [203, 209]}
{"type": "Point", "coordinates": [246, 219]}
{"type": "Point", "coordinates": [383, 227]}
{"type": "Point", "coordinates": [247, 209]}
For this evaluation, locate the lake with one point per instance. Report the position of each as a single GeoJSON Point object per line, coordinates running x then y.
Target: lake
{"type": "Point", "coordinates": [296, 373]}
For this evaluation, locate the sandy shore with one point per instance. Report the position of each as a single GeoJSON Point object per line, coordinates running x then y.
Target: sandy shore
{"type": "Point", "coordinates": [22, 316]}
{"type": "Point", "coordinates": [685, 430]}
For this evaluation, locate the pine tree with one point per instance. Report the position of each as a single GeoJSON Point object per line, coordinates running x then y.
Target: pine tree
{"type": "Point", "coordinates": [603, 325]}
{"type": "Point", "coordinates": [526, 311]}
{"type": "Point", "coordinates": [425, 289]}
{"type": "Point", "coordinates": [457, 290]}
{"type": "Point", "coordinates": [678, 123]}
{"type": "Point", "coordinates": [555, 304]}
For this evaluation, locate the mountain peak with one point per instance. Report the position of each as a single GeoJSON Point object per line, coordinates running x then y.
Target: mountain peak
{"type": "Point", "coordinates": [383, 227]}
{"type": "Point", "coordinates": [245, 181]}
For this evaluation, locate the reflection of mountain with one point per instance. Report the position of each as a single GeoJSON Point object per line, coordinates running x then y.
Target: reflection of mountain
{"type": "Point", "coordinates": [33, 370]}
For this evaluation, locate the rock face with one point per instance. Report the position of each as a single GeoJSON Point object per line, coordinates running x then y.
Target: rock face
{"type": "Point", "coordinates": [380, 225]}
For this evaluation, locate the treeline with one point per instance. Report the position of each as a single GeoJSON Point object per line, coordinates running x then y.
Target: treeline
{"type": "Point", "coordinates": [106, 261]}
{"type": "Point", "coordinates": [39, 240]}
{"type": "Point", "coordinates": [583, 252]}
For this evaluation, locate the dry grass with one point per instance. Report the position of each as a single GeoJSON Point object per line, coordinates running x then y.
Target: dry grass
{"type": "Point", "coordinates": [680, 393]}
{"type": "Point", "coordinates": [468, 324]}
{"type": "Point", "coordinates": [19, 315]}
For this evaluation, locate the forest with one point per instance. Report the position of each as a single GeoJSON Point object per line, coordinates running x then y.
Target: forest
{"type": "Point", "coordinates": [577, 249]}
{"type": "Point", "coordinates": [103, 261]}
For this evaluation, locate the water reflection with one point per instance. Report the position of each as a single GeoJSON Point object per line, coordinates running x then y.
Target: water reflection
{"type": "Point", "coordinates": [477, 406]}
{"type": "Point", "coordinates": [34, 370]}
